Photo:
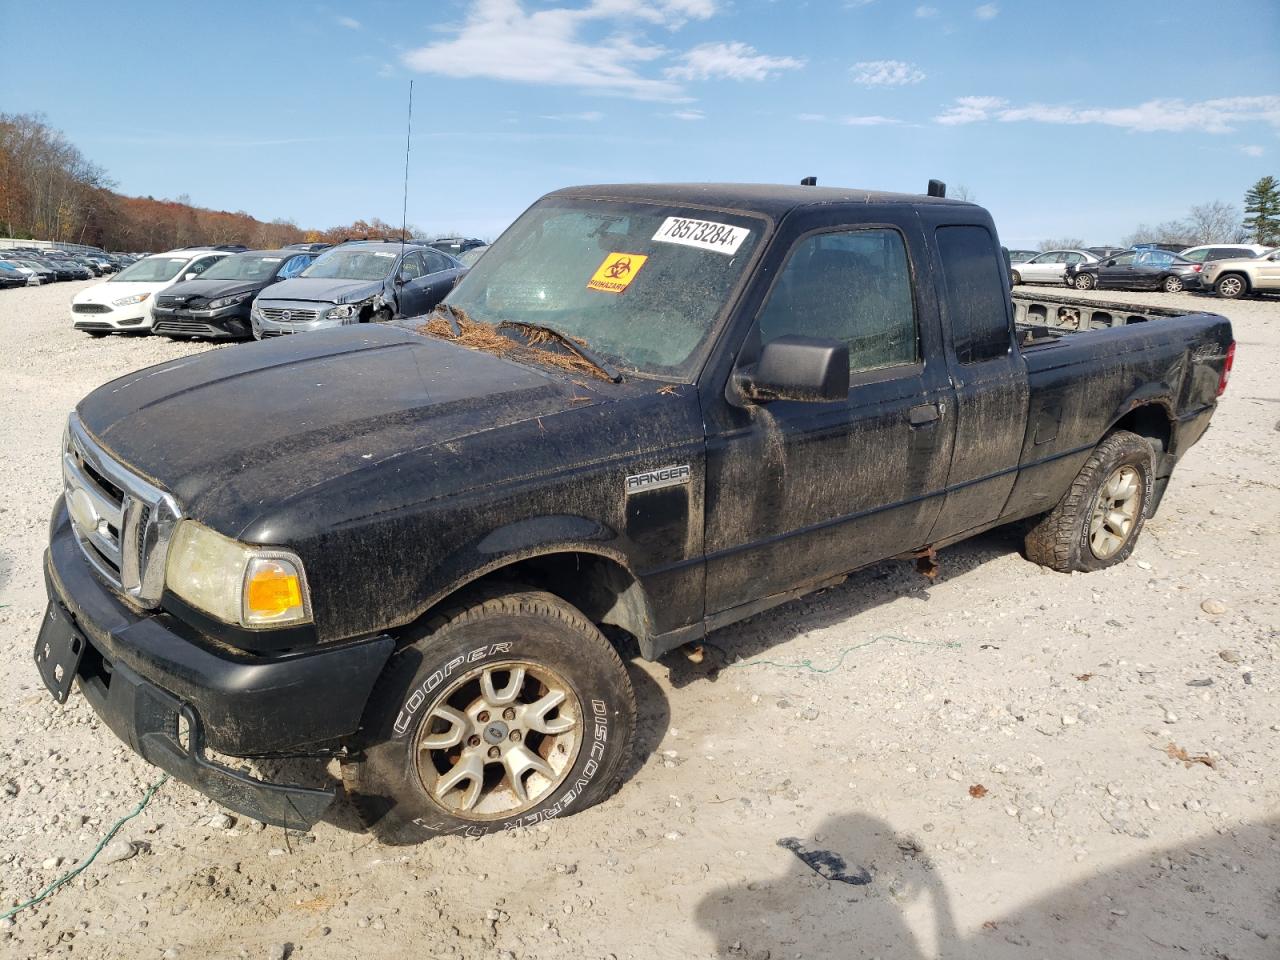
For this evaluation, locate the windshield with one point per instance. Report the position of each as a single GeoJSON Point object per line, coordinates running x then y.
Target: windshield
{"type": "Point", "coordinates": [352, 265]}
{"type": "Point", "coordinates": [641, 285]}
{"type": "Point", "coordinates": [152, 270]}
{"type": "Point", "coordinates": [243, 266]}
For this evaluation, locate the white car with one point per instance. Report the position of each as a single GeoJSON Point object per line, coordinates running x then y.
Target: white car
{"type": "Point", "coordinates": [1049, 267]}
{"type": "Point", "coordinates": [124, 301]}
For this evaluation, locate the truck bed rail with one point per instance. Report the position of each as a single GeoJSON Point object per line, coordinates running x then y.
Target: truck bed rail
{"type": "Point", "coordinates": [1072, 314]}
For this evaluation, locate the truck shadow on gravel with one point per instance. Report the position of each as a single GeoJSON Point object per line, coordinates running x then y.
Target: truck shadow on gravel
{"type": "Point", "coordinates": [858, 888]}
{"type": "Point", "coordinates": [864, 590]}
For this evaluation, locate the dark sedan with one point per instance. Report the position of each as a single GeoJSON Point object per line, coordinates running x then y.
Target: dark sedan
{"type": "Point", "coordinates": [1135, 270]}
{"type": "Point", "coordinates": [11, 277]}
{"type": "Point", "coordinates": [217, 303]}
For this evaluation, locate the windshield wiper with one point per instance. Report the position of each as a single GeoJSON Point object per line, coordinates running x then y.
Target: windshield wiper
{"type": "Point", "coordinates": [570, 343]}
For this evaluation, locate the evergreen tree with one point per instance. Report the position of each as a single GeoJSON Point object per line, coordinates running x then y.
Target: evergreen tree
{"type": "Point", "coordinates": [1262, 209]}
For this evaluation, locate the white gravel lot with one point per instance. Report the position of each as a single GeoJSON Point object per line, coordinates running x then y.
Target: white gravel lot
{"type": "Point", "coordinates": [1056, 695]}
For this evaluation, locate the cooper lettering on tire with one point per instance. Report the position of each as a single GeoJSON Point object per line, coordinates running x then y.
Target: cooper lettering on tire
{"type": "Point", "coordinates": [508, 709]}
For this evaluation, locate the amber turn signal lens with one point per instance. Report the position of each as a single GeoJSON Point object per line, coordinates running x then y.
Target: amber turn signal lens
{"type": "Point", "coordinates": [273, 592]}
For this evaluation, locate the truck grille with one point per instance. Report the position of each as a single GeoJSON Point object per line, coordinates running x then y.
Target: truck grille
{"type": "Point", "coordinates": [90, 308]}
{"type": "Point", "coordinates": [122, 522]}
{"type": "Point", "coordinates": [288, 315]}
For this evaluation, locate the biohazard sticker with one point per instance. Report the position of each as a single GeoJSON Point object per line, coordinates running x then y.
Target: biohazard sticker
{"type": "Point", "coordinates": [617, 272]}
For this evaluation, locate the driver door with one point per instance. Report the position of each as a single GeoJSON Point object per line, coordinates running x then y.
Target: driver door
{"type": "Point", "coordinates": [1117, 271]}
{"type": "Point", "coordinates": [412, 285]}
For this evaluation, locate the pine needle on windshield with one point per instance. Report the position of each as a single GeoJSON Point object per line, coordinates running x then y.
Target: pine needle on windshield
{"type": "Point", "coordinates": [485, 336]}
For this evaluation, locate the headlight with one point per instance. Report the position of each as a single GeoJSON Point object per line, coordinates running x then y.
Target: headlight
{"type": "Point", "coordinates": [125, 301]}
{"type": "Point", "coordinates": [228, 301]}
{"type": "Point", "coordinates": [341, 312]}
{"type": "Point", "coordinates": [234, 582]}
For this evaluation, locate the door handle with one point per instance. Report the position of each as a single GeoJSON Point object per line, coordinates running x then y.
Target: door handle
{"type": "Point", "coordinates": [925, 413]}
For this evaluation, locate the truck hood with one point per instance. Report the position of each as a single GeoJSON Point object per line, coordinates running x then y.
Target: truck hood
{"type": "Point", "coordinates": [234, 434]}
{"type": "Point", "coordinates": [320, 289]}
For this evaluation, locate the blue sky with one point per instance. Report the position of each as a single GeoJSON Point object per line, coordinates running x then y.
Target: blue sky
{"type": "Point", "coordinates": [1084, 118]}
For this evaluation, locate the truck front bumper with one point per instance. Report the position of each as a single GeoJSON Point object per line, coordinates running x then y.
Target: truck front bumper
{"type": "Point", "coordinates": [167, 694]}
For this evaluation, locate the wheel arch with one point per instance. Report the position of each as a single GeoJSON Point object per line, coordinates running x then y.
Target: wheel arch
{"type": "Point", "coordinates": [1244, 277]}
{"type": "Point", "coordinates": [1149, 416]}
{"type": "Point", "coordinates": [596, 579]}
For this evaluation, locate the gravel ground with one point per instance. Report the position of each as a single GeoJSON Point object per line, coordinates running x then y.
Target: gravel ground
{"type": "Point", "coordinates": [986, 755]}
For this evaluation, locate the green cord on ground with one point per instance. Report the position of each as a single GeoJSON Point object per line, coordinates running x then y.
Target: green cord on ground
{"type": "Point", "coordinates": [67, 877]}
{"type": "Point", "coordinates": [807, 664]}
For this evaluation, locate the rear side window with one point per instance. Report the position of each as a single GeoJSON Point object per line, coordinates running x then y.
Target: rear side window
{"type": "Point", "coordinates": [436, 262]}
{"type": "Point", "coordinates": [975, 293]}
{"type": "Point", "coordinates": [852, 286]}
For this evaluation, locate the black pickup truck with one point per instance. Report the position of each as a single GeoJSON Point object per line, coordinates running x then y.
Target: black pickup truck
{"type": "Point", "coordinates": [649, 410]}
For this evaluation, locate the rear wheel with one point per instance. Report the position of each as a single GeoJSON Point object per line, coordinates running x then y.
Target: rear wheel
{"type": "Point", "coordinates": [1085, 281]}
{"type": "Point", "coordinates": [1015, 278]}
{"type": "Point", "coordinates": [1231, 287]}
{"type": "Point", "coordinates": [1098, 521]}
{"type": "Point", "coordinates": [1172, 284]}
{"type": "Point", "coordinates": [509, 709]}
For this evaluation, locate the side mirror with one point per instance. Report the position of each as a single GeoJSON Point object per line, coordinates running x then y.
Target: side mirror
{"type": "Point", "coordinates": [401, 280]}
{"type": "Point", "coordinates": [1111, 263]}
{"type": "Point", "coordinates": [191, 276]}
{"type": "Point", "coordinates": [806, 369]}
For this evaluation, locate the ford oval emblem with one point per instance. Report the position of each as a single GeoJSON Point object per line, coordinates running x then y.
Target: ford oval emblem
{"type": "Point", "coordinates": [80, 506]}
{"type": "Point", "coordinates": [286, 315]}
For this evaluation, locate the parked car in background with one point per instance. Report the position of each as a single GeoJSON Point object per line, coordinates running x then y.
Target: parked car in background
{"type": "Point", "coordinates": [455, 246]}
{"type": "Point", "coordinates": [1223, 251]}
{"type": "Point", "coordinates": [124, 302]}
{"type": "Point", "coordinates": [363, 281]}
{"type": "Point", "coordinates": [1237, 278]}
{"type": "Point", "coordinates": [11, 276]}
{"type": "Point", "coordinates": [1137, 269]}
{"type": "Point", "coordinates": [1167, 247]}
{"type": "Point", "coordinates": [45, 272]}
{"type": "Point", "coordinates": [1048, 267]}
{"type": "Point", "coordinates": [468, 258]}
{"type": "Point", "coordinates": [1022, 256]}
{"type": "Point", "coordinates": [217, 303]}
{"type": "Point", "coordinates": [1103, 252]}
{"type": "Point", "coordinates": [32, 278]}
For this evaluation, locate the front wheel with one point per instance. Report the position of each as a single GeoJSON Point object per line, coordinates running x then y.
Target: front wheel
{"type": "Point", "coordinates": [1015, 278]}
{"type": "Point", "coordinates": [1230, 287]}
{"type": "Point", "coordinates": [381, 315]}
{"type": "Point", "coordinates": [1172, 285]}
{"type": "Point", "coordinates": [1084, 281]}
{"type": "Point", "coordinates": [508, 710]}
{"type": "Point", "coordinates": [1098, 521]}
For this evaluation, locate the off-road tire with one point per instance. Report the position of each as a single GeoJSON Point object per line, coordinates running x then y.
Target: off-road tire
{"type": "Point", "coordinates": [1172, 284]}
{"type": "Point", "coordinates": [1060, 539]}
{"type": "Point", "coordinates": [1084, 281]}
{"type": "Point", "coordinates": [489, 628]}
{"type": "Point", "coordinates": [1232, 286]}
{"type": "Point", "coordinates": [1015, 278]}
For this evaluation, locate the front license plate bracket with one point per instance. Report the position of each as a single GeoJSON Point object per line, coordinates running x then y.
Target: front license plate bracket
{"type": "Point", "coordinates": [59, 649]}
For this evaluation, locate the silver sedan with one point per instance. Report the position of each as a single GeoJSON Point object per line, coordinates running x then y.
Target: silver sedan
{"type": "Point", "coordinates": [1049, 267]}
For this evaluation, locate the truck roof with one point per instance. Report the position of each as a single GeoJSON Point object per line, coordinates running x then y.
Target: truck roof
{"type": "Point", "coordinates": [771, 199]}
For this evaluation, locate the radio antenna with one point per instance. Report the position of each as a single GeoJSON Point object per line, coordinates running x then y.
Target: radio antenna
{"type": "Point", "coordinates": [404, 209]}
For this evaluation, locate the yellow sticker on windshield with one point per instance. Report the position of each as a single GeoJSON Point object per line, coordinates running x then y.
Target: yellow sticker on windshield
{"type": "Point", "coordinates": [617, 272]}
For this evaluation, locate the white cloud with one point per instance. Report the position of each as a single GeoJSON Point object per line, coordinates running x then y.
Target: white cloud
{"type": "Point", "coordinates": [500, 40]}
{"type": "Point", "coordinates": [1220, 115]}
{"type": "Point", "coordinates": [729, 61]}
{"type": "Point", "coordinates": [988, 11]}
{"type": "Point", "coordinates": [688, 115]}
{"type": "Point", "coordinates": [925, 12]}
{"type": "Point", "coordinates": [1252, 150]}
{"type": "Point", "coordinates": [351, 23]}
{"type": "Point", "coordinates": [872, 121]}
{"type": "Point", "coordinates": [885, 73]}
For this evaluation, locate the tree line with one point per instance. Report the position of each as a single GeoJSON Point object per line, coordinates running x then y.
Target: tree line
{"type": "Point", "coordinates": [1213, 222]}
{"type": "Point", "coordinates": [50, 191]}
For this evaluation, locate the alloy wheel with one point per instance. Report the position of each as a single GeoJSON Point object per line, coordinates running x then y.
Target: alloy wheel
{"type": "Point", "coordinates": [1115, 511]}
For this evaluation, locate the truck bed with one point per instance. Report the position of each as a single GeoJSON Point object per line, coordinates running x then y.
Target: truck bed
{"type": "Point", "coordinates": [1044, 317]}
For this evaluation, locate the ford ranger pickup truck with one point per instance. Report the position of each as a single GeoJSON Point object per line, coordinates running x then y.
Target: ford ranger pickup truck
{"type": "Point", "coordinates": [648, 411]}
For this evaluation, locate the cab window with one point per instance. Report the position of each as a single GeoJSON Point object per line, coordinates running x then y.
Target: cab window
{"type": "Point", "coordinates": [977, 303]}
{"type": "Point", "coordinates": [853, 286]}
